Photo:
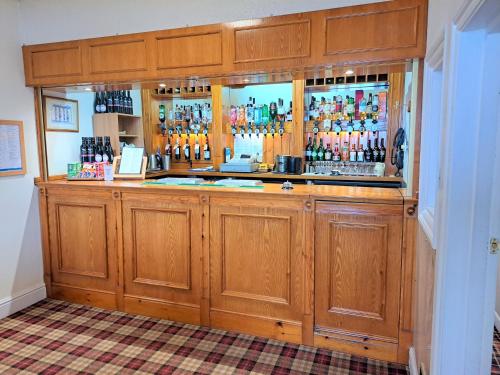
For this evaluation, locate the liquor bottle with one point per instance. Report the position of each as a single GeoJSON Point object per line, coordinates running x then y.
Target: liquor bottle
{"type": "Point", "coordinates": [289, 114]}
{"type": "Point", "coordinates": [273, 111]}
{"type": "Point", "coordinates": [168, 148]}
{"type": "Point", "coordinates": [336, 153]}
{"type": "Point", "coordinates": [130, 104]}
{"type": "Point", "coordinates": [369, 152]}
{"type": "Point", "coordinates": [309, 150]}
{"type": "Point", "coordinates": [281, 110]}
{"type": "Point", "coordinates": [350, 108]}
{"type": "Point", "coordinates": [250, 111]}
{"type": "Point", "coordinates": [321, 108]}
{"type": "Point", "coordinates": [265, 114]}
{"type": "Point", "coordinates": [311, 109]}
{"type": "Point", "coordinates": [314, 154]}
{"type": "Point", "coordinates": [116, 102]}
{"type": "Point", "coordinates": [362, 106]}
{"type": "Point", "coordinates": [110, 103]}
{"type": "Point", "coordinates": [369, 107]}
{"type": "Point", "coordinates": [375, 104]}
{"type": "Point", "coordinates": [382, 151]}
{"type": "Point", "coordinates": [376, 152]}
{"type": "Point", "coordinates": [197, 153]}
{"type": "Point", "coordinates": [360, 157]}
{"type": "Point", "coordinates": [110, 153]}
{"type": "Point", "coordinates": [162, 113]}
{"type": "Point", "coordinates": [102, 108]}
{"type": "Point", "coordinates": [97, 103]}
{"type": "Point", "coordinates": [353, 154]}
{"type": "Point", "coordinates": [177, 150]}
{"type": "Point", "coordinates": [206, 151]}
{"type": "Point", "coordinates": [345, 108]}
{"type": "Point", "coordinates": [321, 150]}
{"type": "Point", "coordinates": [91, 150]}
{"type": "Point", "coordinates": [187, 150]}
{"type": "Point", "coordinates": [83, 150]}
{"type": "Point", "coordinates": [345, 152]}
{"type": "Point", "coordinates": [241, 115]}
{"type": "Point", "coordinates": [338, 104]}
{"type": "Point", "coordinates": [99, 150]}
{"type": "Point", "coordinates": [328, 153]}
{"type": "Point", "coordinates": [257, 115]}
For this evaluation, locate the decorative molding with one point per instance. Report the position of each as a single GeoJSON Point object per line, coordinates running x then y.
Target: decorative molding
{"type": "Point", "coordinates": [412, 361]}
{"type": "Point", "coordinates": [426, 220]}
{"type": "Point", "coordinates": [466, 12]}
{"type": "Point", "coordinates": [19, 301]}
{"type": "Point", "coordinates": [435, 53]}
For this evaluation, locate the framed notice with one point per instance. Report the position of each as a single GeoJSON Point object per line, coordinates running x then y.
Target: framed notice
{"type": "Point", "coordinates": [12, 157]}
{"type": "Point", "coordinates": [61, 115]}
{"type": "Point", "coordinates": [131, 164]}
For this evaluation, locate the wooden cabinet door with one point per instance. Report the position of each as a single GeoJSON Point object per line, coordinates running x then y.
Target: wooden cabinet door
{"type": "Point", "coordinates": [162, 255]}
{"type": "Point", "coordinates": [82, 237]}
{"type": "Point", "coordinates": [257, 265]}
{"type": "Point", "coordinates": [358, 268]}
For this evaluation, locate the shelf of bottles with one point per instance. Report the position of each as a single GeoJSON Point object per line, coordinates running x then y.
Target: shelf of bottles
{"type": "Point", "coordinates": [184, 120]}
{"type": "Point", "coordinates": [258, 119]}
{"type": "Point", "coordinates": [346, 122]}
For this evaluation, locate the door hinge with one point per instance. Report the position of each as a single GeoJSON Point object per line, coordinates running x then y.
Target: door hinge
{"type": "Point", "coordinates": [493, 245]}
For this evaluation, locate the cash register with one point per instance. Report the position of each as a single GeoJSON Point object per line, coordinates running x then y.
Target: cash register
{"type": "Point", "coordinates": [243, 163]}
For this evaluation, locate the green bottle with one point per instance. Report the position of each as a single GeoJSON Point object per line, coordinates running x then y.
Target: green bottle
{"type": "Point", "coordinates": [321, 150]}
{"type": "Point", "coordinates": [265, 114]}
{"type": "Point", "coordinates": [315, 151]}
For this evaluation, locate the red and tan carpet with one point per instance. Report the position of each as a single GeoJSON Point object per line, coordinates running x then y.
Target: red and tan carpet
{"type": "Point", "coordinates": [54, 337]}
{"type": "Point", "coordinates": [495, 360]}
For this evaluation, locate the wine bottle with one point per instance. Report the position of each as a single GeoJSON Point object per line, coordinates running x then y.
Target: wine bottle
{"type": "Point", "coordinates": [382, 151]}
{"type": "Point", "coordinates": [197, 153]}
{"type": "Point", "coordinates": [206, 151]}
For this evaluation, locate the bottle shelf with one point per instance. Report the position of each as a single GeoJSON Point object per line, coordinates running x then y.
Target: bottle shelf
{"type": "Point", "coordinates": [309, 125]}
{"type": "Point", "coordinates": [194, 95]}
{"type": "Point", "coordinates": [287, 128]}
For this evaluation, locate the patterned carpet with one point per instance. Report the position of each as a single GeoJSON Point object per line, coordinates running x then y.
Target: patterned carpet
{"type": "Point", "coordinates": [54, 337]}
{"type": "Point", "coordinates": [495, 360]}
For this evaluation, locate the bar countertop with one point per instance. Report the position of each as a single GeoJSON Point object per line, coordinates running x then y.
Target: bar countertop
{"type": "Point", "coordinates": [317, 192]}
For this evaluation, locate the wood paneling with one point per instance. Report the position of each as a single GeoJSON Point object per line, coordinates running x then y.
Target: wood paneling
{"type": "Point", "coordinates": [53, 61]}
{"type": "Point", "coordinates": [373, 31]}
{"type": "Point", "coordinates": [358, 268]}
{"type": "Point", "coordinates": [384, 31]}
{"type": "Point", "coordinates": [162, 250]}
{"type": "Point", "coordinates": [256, 258]}
{"type": "Point", "coordinates": [186, 51]}
{"type": "Point", "coordinates": [424, 299]}
{"type": "Point", "coordinates": [272, 41]}
{"type": "Point", "coordinates": [288, 265]}
{"type": "Point", "coordinates": [119, 56]}
{"type": "Point", "coordinates": [82, 237]}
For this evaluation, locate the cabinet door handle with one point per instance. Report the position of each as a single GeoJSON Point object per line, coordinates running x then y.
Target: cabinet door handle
{"type": "Point", "coordinates": [411, 210]}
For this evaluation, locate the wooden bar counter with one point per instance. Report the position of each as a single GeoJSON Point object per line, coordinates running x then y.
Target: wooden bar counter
{"type": "Point", "coordinates": [318, 265]}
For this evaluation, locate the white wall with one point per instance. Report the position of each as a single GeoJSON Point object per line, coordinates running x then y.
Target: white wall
{"type": "Point", "coordinates": [55, 20]}
{"type": "Point", "coordinates": [20, 250]}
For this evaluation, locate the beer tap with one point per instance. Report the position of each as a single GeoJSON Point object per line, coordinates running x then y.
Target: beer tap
{"type": "Point", "coordinates": [171, 123]}
{"type": "Point", "coordinates": [249, 129]}
{"type": "Point", "coordinates": [316, 127]}
{"type": "Point", "coordinates": [257, 119]}
{"type": "Point", "coordinates": [281, 130]}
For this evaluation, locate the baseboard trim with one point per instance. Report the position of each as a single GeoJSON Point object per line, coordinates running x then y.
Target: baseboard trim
{"type": "Point", "coordinates": [412, 362]}
{"type": "Point", "coordinates": [497, 321]}
{"type": "Point", "coordinates": [13, 304]}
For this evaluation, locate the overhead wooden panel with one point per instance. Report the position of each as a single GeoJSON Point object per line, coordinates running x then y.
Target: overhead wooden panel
{"type": "Point", "coordinates": [374, 31]}
{"type": "Point", "coordinates": [185, 51]}
{"type": "Point", "coordinates": [288, 40]}
{"type": "Point", "coordinates": [49, 62]}
{"type": "Point", "coordinates": [117, 56]}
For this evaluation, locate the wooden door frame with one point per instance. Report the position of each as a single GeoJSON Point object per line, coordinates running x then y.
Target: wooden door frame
{"type": "Point", "coordinates": [465, 270]}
